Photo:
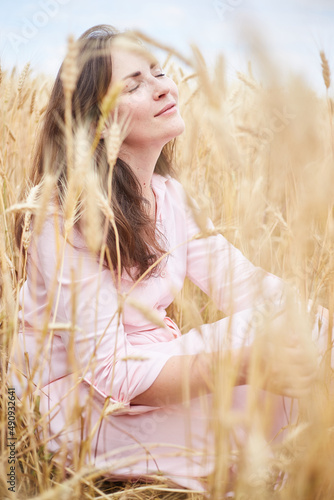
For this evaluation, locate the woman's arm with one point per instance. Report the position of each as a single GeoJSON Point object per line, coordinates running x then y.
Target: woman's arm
{"type": "Point", "coordinates": [283, 366]}
{"type": "Point", "coordinates": [216, 266]}
{"type": "Point", "coordinates": [190, 376]}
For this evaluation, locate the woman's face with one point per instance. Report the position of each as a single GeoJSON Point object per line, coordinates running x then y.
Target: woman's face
{"type": "Point", "coordinates": [150, 98]}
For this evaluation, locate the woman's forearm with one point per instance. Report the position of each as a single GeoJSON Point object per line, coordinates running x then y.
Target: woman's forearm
{"type": "Point", "coordinates": [188, 376]}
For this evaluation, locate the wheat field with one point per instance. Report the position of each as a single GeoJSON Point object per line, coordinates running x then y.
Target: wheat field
{"type": "Point", "coordinates": [258, 156]}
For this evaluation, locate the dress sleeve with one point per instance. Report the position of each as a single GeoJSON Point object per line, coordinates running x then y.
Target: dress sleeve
{"type": "Point", "coordinates": [96, 344]}
{"type": "Point", "coordinates": [225, 274]}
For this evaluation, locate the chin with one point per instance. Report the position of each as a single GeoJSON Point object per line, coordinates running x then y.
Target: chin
{"type": "Point", "coordinates": [178, 128]}
{"type": "Point", "coordinates": [174, 130]}
{"type": "Point", "coordinates": [172, 136]}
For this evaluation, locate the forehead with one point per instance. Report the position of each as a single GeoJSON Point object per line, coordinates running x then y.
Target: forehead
{"type": "Point", "coordinates": [127, 60]}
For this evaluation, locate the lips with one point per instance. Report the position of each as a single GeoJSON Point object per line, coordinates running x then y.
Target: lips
{"type": "Point", "coordinates": [168, 106]}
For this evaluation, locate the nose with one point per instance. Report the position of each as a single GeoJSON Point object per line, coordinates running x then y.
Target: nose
{"type": "Point", "coordinates": [161, 87]}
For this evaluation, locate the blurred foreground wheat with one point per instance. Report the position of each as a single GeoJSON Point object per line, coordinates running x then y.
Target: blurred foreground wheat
{"type": "Point", "coordinates": [259, 160]}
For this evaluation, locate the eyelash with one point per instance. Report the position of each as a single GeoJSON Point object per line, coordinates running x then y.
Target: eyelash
{"type": "Point", "coordinates": [135, 88]}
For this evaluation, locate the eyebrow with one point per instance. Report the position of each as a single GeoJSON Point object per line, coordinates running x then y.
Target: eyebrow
{"type": "Point", "coordinates": [138, 73]}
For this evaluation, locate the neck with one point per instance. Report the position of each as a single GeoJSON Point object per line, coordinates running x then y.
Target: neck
{"type": "Point", "coordinates": [142, 163]}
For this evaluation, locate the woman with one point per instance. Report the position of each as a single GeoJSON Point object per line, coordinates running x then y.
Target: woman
{"type": "Point", "coordinates": [111, 374]}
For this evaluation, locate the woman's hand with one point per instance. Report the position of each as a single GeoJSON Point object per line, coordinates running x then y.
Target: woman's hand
{"type": "Point", "coordinates": [284, 360]}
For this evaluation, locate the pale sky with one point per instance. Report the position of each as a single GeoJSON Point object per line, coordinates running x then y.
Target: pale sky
{"type": "Point", "coordinates": [293, 30]}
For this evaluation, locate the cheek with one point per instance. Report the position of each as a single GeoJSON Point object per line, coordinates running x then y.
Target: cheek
{"type": "Point", "coordinates": [137, 109]}
{"type": "Point", "coordinates": [174, 90]}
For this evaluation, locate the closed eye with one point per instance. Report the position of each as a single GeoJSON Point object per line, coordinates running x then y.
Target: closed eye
{"type": "Point", "coordinates": [136, 87]}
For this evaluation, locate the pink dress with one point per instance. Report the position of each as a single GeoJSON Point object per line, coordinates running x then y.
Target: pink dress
{"type": "Point", "coordinates": [120, 356]}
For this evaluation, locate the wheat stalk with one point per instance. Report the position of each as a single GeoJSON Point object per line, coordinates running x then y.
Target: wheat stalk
{"type": "Point", "coordinates": [69, 76]}
{"type": "Point", "coordinates": [47, 192]}
{"type": "Point", "coordinates": [26, 233]}
{"type": "Point", "coordinates": [82, 156]}
{"type": "Point", "coordinates": [70, 70]}
{"type": "Point", "coordinates": [162, 46]}
{"type": "Point", "coordinates": [33, 101]}
{"type": "Point", "coordinates": [22, 79]}
{"type": "Point", "coordinates": [92, 227]}
{"type": "Point", "coordinates": [326, 73]}
{"type": "Point", "coordinates": [107, 105]}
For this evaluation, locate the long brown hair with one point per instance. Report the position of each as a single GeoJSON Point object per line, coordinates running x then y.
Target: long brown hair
{"type": "Point", "coordinates": [140, 243]}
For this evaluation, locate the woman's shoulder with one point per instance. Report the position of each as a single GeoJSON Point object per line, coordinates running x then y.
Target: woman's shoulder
{"type": "Point", "coordinates": [52, 227]}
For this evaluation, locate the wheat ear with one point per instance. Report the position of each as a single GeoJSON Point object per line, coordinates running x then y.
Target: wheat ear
{"type": "Point", "coordinates": [20, 86]}
{"type": "Point", "coordinates": [326, 73]}
{"type": "Point", "coordinates": [26, 234]}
